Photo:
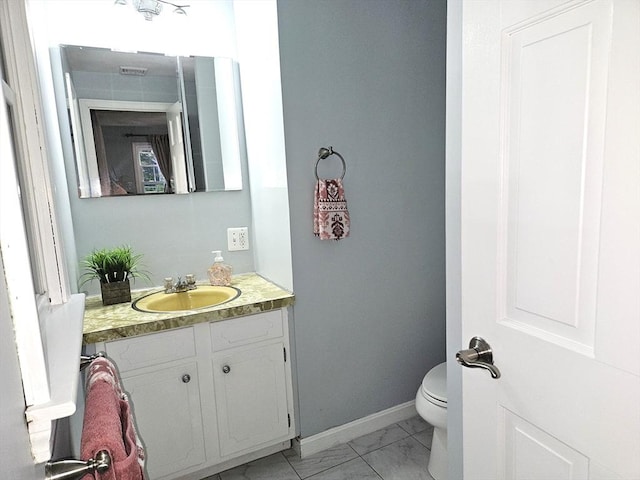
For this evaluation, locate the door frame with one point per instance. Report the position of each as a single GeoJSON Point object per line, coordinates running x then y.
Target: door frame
{"type": "Point", "coordinates": [453, 157]}
{"type": "Point", "coordinates": [86, 105]}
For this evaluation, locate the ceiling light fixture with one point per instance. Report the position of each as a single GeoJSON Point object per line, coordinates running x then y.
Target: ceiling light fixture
{"type": "Point", "coordinates": [152, 8]}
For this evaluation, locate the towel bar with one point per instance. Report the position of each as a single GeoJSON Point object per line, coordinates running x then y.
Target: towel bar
{"type": "Point", "coordinates": [326, 152]}
{"type": "Point", "coordinates": [76, 469]}
{"type": "Point", "coordinates": [85, 360]}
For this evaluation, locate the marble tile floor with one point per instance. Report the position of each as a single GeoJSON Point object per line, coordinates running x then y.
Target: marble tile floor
{"type": "Point", "coordinates": [397, 452]}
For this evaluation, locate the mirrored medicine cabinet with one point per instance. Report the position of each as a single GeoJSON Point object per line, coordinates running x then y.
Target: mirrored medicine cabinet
{"type": "Point", "coordinates": [147, 123]}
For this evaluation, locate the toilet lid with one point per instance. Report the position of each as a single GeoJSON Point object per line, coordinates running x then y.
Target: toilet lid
{"type": "Point", "coordinates": [434, 383]}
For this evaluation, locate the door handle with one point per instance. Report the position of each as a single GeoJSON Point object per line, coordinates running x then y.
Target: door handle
{"type": "Point", "coordinates": [478, 355]}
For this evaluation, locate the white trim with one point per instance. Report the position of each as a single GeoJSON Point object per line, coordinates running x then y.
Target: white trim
{"type": "Point", "coordinates": [62, 339]}
{"type": "Point", "coordinates": [45, 246]}
{"type": "Point", "coordinates": [14, 246]}
{"type": "Point", "coordinates": [47, 326]}
{"type": "Point", "coordinates": [17, 272]}
{"type": "Point", "coordinates": [349, 431]}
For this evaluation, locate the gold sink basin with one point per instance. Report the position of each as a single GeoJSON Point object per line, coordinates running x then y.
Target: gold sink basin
{"type": "Point", "coordinates": [203, 296]}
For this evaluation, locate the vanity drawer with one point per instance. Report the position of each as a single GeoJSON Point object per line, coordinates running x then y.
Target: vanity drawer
{"type": "Point", "coordinates": [153, 349]}
{"type": "Point", "coordinates": [244, 330]}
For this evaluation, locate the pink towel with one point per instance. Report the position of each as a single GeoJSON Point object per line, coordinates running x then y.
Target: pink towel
{"type": "Point", "coordinates": [108, 425]}
{"type": "Point", "coordinates": [330, 214]}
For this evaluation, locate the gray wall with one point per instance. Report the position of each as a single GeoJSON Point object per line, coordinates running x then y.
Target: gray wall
{"type": "Point", "coordinates": [368, 78]}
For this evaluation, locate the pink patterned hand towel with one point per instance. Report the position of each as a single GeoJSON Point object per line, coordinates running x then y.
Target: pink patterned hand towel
{"type": "Point", "coordinates": [330, 214]}
{"type": "Point", "coordinates": [108, 425]}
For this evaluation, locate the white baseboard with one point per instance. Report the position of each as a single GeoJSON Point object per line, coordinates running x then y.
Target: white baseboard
{"type": "Point", "coordinates": [347, 432]}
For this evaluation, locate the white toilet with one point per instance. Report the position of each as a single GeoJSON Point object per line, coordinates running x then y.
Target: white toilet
{"type": "Point", "coordinates": [431, 403]}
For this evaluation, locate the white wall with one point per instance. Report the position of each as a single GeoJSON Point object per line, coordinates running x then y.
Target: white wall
{"type": "Point", "coordinates": [259, 57]}
{"type": "Point", "coordinates": [175, 233]}
{"type": "Point", "coordinates": [207, 30]}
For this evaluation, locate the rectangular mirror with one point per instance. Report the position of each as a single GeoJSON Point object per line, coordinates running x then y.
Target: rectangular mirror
{"type": "Point", "coordinates": [145, 123]}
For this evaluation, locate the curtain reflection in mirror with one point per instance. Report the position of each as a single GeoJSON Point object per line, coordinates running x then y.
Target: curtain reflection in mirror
{"type": "Point", "coordinates": [162, 151]}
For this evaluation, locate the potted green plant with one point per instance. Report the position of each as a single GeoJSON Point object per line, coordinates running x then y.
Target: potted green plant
{"type": "Point", "coordinates": [113, 267]}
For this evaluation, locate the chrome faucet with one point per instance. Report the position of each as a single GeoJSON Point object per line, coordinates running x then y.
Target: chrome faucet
{"type": "Point", "coordinates": [180, 286]}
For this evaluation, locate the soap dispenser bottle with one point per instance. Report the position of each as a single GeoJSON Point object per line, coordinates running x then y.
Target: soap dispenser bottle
{"type": "Point", "coordinates": [219, 272]}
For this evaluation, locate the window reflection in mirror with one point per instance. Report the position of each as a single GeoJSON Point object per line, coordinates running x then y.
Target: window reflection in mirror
{"type": "Point", "coordinates": [116, 99]}
{"type": "Point", "coordinates": [149, 176]}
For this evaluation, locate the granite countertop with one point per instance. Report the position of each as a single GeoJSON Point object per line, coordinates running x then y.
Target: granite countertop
{"type": "Point", "coordinates": [112, 322]}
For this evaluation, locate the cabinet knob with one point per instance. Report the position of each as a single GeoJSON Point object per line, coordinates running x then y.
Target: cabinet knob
{"type": "Point", "coordinates": [226, 369]}
{"type": "Point", "coordinates": [186, 378]}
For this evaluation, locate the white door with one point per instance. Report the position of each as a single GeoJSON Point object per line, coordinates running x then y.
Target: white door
{"type": "Point", "coordinates": [251, 397]}
{"type": "Point", "coordinates": [166, 404]}
{"type": "Point", "coordinates": [551, 238]}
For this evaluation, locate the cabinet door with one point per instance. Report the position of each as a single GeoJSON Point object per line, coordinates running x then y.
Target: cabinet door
{"type": "Point", "coordinates": [251, 397]}
{"type": "Point", "coordinates": [166, 404]}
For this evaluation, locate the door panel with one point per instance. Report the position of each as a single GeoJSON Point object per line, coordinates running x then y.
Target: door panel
{"type": "Point", "coordinates": [251, 397]}
{"type": "Point", "coordinates": [550, 214]}
{"type": "Point", "coordinates": [531, 453]}
{"type": "Point", "coordinates": [166, 407]}
{"type": "Point", "coordinates": [554, 82]}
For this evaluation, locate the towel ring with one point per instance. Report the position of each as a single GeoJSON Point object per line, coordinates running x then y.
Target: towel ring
{"type": "Point", "coordinates": [326, 152]}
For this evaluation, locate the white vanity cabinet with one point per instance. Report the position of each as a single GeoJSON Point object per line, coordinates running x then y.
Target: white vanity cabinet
{"type": "Point", "coordinates": [250, 381]}
{"type": "Point", "coordinates": [209, 396]}
{"type": "Point", "coordinates": [159, 372]}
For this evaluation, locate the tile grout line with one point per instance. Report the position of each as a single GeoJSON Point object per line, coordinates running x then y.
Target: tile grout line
{"type": "Point", "coordinates": [409, 435]}
{"type": "Point", "coordinates": [338, 464]}
{"type": "Point", "coordinates": [370, 466]}
{"type": "Point", "coordinates": [333, 466]}
{"type": "Point", "coordinates": [292, 467]}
